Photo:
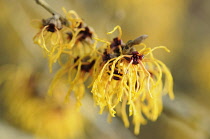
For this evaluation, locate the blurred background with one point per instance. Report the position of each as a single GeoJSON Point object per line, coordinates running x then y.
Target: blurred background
{"type": "Point", "coordinates": [182, 25]}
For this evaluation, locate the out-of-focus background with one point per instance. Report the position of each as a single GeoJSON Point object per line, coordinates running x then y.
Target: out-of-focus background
{"type": "Point", "coordinates": [182, 25]}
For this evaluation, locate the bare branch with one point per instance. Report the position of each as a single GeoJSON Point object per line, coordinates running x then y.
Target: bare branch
{"type": "Point", "coordinates": [46, 6]}
{"type": "Point", "coordinates": [137, 40]}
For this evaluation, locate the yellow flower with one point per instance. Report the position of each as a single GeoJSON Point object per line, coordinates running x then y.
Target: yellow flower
{"type": "Point", "coordinates": [74, 76]}
{"type": "Point", "coordinates": [131, 77]}
{"type": "Point", "coordinates": [75, 51]}
{"type": "Point", "coordinates": [122, 74]}
{"type": "Point", "coordinates": [26, 106]}
{"type": "Point", "coordinates": [69, 36]}
{"type": "Point", "coordinates": [50, 37]}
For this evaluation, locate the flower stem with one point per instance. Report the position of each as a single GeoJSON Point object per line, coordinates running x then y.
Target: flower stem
{"type": "Point", "coordinates": [136, 41]}
{"type": "Point", "coordinates": [47, 7]}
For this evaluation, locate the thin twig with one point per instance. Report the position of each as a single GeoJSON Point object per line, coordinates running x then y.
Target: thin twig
{"type": "Point", "coordinates": [137, 40]}
{"type": "Point", "coordinates": [47, 7]}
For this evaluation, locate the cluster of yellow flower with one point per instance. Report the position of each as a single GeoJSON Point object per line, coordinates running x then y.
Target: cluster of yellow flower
{"type": "Point", "coordinates": [70, 39]}
{"type": "Point", "coordinates": [123, 74]}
